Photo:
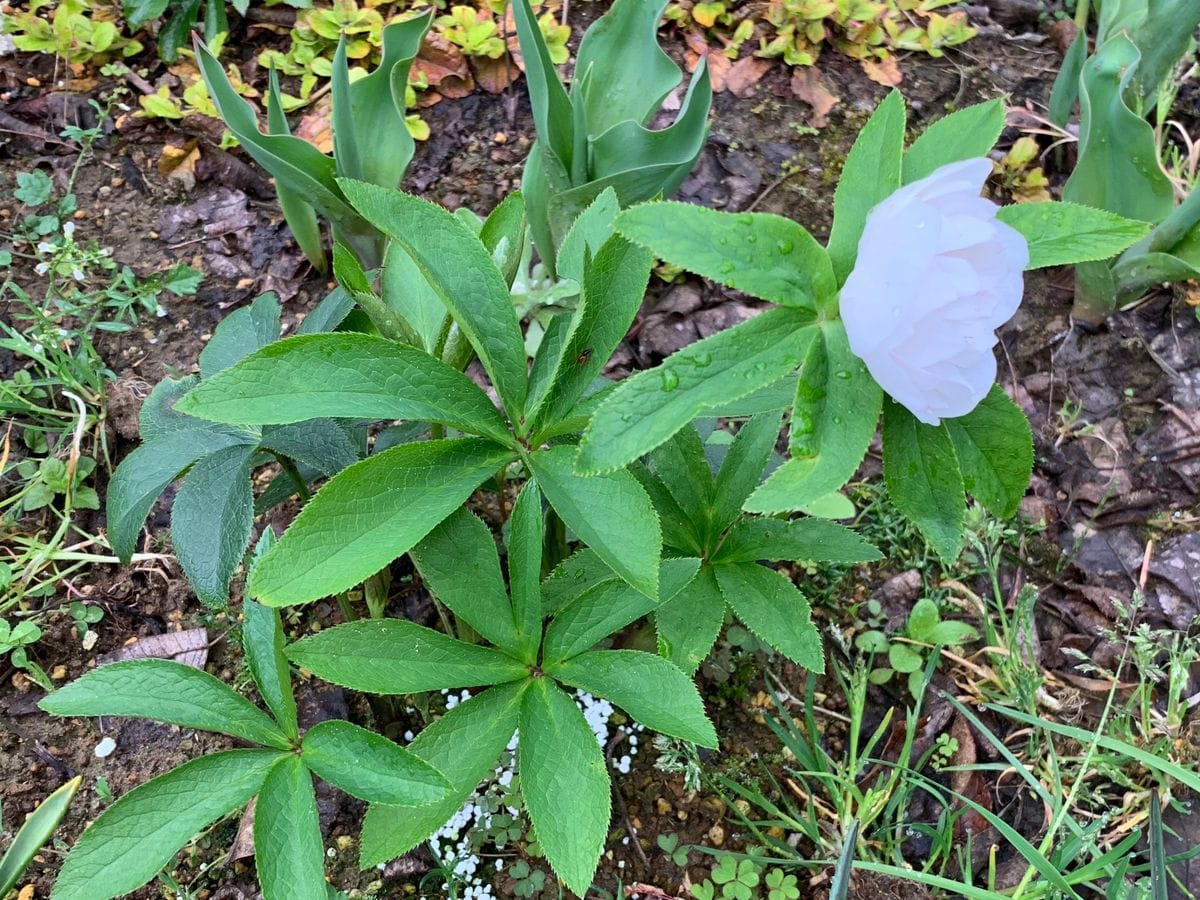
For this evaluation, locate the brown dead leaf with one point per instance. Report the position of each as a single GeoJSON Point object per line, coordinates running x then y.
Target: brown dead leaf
{"type": "Point", "coordinates": [243, 841]}
{"type": "Point", "coordinates": [179, 163]}
{"type": "Point", "coordinates": [316, 127]}
{"type": "Point", "coordinates": [718, 63]}
{"type": "Point", "coordinates": [494, 75]}
{"type": "Point", "coordinates": [188, 647]}
{"type": "Point", "coordinates": [883, 71]}
{"type": "Point", "coordinates": [443, 67]}
{"type": "Point", "coordinates": [808, 86]}
{"type": "Point", "coordinates": [744, 75]}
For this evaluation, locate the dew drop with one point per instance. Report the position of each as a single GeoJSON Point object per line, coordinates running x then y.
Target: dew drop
{"type": "Point", "coordinates": [725, 268]}
{"type": "Point", "coordinates": [786, 247]}
{"type": "Point", "coordinates": [843, 374]}
{"type": "Point", "coordinates": [745, 219]}
{"type": "Point", "coordinates": [702, 358]}
{"type": "Point", "coordinates": [670, 380]}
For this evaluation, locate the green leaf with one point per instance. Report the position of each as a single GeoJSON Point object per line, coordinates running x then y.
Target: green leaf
{"type": "Point", "coordinates": [409, 304]}
{"type": "Point", "coordinates": [301, 218]}
{"type": "Point", "coordinates": [262, 641]}
{"type": "Point", "coordinates": [1066, 84]}
{"type": "Point", "coordinates": [461, 271]}
{"type": "Point", "coordinates": [610, 513]}
{"type": "Point", "coordinates": [588, 233]}
{"type": "Point", "coordinates": [994, 446]}
{"type": "Point", "coordinates": [461, 566]}
{"type": "Point", "coordinates": [815, 540]}
{"type": "Point", "coordinates": [689, 623]}
{"type": "Point", "coordinates": [682, 467]}
{"type": "Point", "coordinates": [763, 255]}
{"type": "Point", "coordinates": [743, 467]}
{"type": "Point", "coordinates": [562, 767]}
{"type": "Point", "coordinates": [503, 234]}
{"type": "Point", "coordinates": [552, 114]}
{"type": "Point", "coordinates": [647, 408]}
{"type": "Point", "coordinates": [833, 422]}
{"type": "Point", "coordinates": [904, 659]}
{"type": "Point", "coordinates": [651, 689]}
{"type": "Point", "coordinates": [139, 12]}
{"type": "Point", "coordinates": [395, 656]}
{"type": "Point", "coordinates": [774, 609]}
{"type": "Point", "coordinates": [211, 520]}
{"type": "Point", "coordinates": [321, 444]}
{"type": "Point", "coordinates": [241, 333]}
{"type": "Point", "coordinates": [579, 572]}
{"type": "Point", "coordinates": [678, 528]}
{"type": "Point", "coordinates": [139, 834]}
{"type": "Point", "coordinates": [369, 514]}
{"type": "Point", "coordinates": [464, 743]}
{"type": "Point", "coordinates": [165, 691]}
{"type": "Point", "coordinates": [368, 766]}
{"type": "Point", "coordinates": [289, 856]}
{"type": "Point", "coordinates": [36, 830]}
{"type": "Point", "coordinates": [526, 537]}
{"type": "Point", "coordinates": [343, 375]}
{"type": "Point", "coordinates": [871, 174]}
{"type": "Point", "coordinates": [923, 479]}
{"type": "Point", "coordinates": [966, 134]}
{"type": "Point", "coordinates": [1062, 234]}
{"type": "Point", "coordinates": [951, 633]}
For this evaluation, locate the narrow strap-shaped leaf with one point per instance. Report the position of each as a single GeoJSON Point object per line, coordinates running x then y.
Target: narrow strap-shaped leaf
{"type": "Point", "coordinates": [968, 133]}
{"type": "Point", "coordinates": [871, 174]}
{"type": "Point", "coordinates": [165, 691]}
{"type": "Point", "coordinates": [526, 529]}
{"type": "Point", "coordinates": [368, 766]}
{"type": "Point", "coordinates": [371, 513]}
{"type": "Point", "coordinates": [743, 467]}
{"type": "Point", "coordinates": [464, 744]}
{"type": "Point", "coordinates": [647, 408]}
{"type": "Point", "coordinates": [689, 623]}
{"type": "Point", "coordinates": [139, 834]}
{"type": "Point", "coordinates": [301, 218]}
{"type": "Point", "coordinates": [611, 513]}
{"type": "Point", "coordinates": [395, 656]}
{"type": "Point", "coordinates": [289, 855]}
{"type": "Point", "coordinates": [551, 105]}
{"type": "Point", "coordinates": [37, 829]}
{"type": "Point", "coordinates": [345, 137]}
{"type": "Point", "coordinates": [651, 689]}
{"type": "Point", "coordinates": [774, 609]}
{"type": "Point", "coordinates": [562, 767]}
{"type": "Point", "coordinates": [815, 540]}
{"type": "Point", "coordinates": [1062, 234]}
{"type": "Point", "coordinates": [343, 375]}
{"type": "Point", "coordinates": [262, 642]}
{"type": "Point", "coordinates": [994, 446]}
{"type": "Point", "coordinates": [461, 271]}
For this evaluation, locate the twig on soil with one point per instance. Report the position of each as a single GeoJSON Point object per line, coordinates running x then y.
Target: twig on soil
{"type": "Point", "coordinates": [770, 188]}
{"type": "Point", "coordinates": [633, 834]}
{"type": "Point", "coordinates": [38, 748]}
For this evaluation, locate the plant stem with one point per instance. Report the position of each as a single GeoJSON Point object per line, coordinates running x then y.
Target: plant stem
{"type": "Point", "coordinates": [293, 474]}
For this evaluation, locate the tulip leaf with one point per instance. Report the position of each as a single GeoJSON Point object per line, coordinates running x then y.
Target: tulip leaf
{"type": "Point", "coordinates": [36, 830]}
{"type": "Point", "coordinates": [1061, 234]}
{"type": "Point", "coordinates": [965, 134]}
{"type": "Point", "coordinates": [923, 478]}
{"type": "Point", "coordinates": [301, 218]}
{"type": "Point", "coordinates": [994, 446]}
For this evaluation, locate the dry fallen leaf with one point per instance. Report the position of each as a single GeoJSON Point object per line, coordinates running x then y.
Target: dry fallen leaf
{"type": "Point", "coordinates": [315, 127]}
{"type": "Point", "coordinates": [243, 841]}
{"type": "Point", "coordinates": [884, 71]}
{"type": "Point", "coordinates": [443, 67]}
{"type": "Point", "coordinates": [188, 647]}
{"type": "Point", "coordinates": [179, 163]}
{"type": "Point", "coordinates": [494, 75]}
{"type": "Point", "coordinates": [807, 86]}
{"type": "Point", "coordinates": [744, 75]}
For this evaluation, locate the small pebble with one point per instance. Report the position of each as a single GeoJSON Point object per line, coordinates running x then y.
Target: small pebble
{"type": "Point", "coordinates": [105, 748]}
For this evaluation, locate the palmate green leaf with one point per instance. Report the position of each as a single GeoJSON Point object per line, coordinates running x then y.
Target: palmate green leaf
{"type": "Point", "coordinates": [969, 133]}
{"type": "Point", "coordinates": [1061, 234]}
{"type": "Point", "coordinates": [589, 232]}
{"type": "Point", "coordinates": [808, 539]}
{"type": "Point", "coordinates": [395, 656]}
{"type": "Point", "coordinates": [562, 768]}
{"type": "Point", "coordinates": [211, 520]}
{"type": "Point", "coordinates": [871, 174]}
{"type": "Point", "coordinates": [994, 446]}
{"type": "Point", "coordinates": [743, 467]}
{"type": "Point", "coordinates": [36, 830]}
{"type": "Point", "coordinates": [651, 689]}
{"type": "Point", "coordinates": [289, 855]}
{"type": "Point", "coordinates": [774, 609]}
{"type": "Point", "coordinates": [262, 642]}
{"type": "Point", "coordinates": [526, 529]}
{"type": "Point", "coordinates": [503, 235]}
{"type": "Point", "coordinates": [923, 478]}
{"type": "Point", "coordinates": [462, 273]}
{"type": "Point", "coordinates": [764, 255]}
{"type": "Point", "coordinates": [241, 333]}
{"type": "Point", "coordinates": [833, 421]}
{"type": "Point", "coordinates": [689, 623]}
{"type": "Point", "coordinates": [369, 514]}
{"type": "Point", "coordinates": [321, 444]}
{"type": "Point", "coordinates": [165, 691]}
{"type": "Point", "coordinates": [368, 766]}
{"type": "Point", "coordinates": [464, 744]}
{"type": "Point", "coordinates": [579, 572]}
{"type": "Point", "coordinates": [647, 408]}
{"type": "Point", "coordinates": [344, 375]}
{"type": "Point", "coordinates": [139, 834]}
{"type": "Point", "coordinates": [611, 513]}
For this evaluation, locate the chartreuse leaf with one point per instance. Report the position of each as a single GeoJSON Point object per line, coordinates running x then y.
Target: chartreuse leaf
{"type": "Point", "coordinates": [764, 255]}
{"type": "Point", "coordinates": [526, 532]}
{"type": "Point", "coordinates": [140, 833]}
{"type": "Point", "coordinates": [165, 691]}
{"type": "Point", "coordinates": [966, 134]}
{"type": "Point", "coordinates": [689, 623]}
{"type": "Point", "coordinates": [651, 689]}
{"type": "Point", "coordinates": [1062, 234]}
{"type": "Point", "coordinates": [368, 766]}
{"type": "Point", "coordinates": [562, 767]}
{"type": "Point", "coordinates": [464, 744]}
{"type": "Point", "coordinates": [923, 478]}
{"type": "Point", "coordinates": [871, 174]}
{"type": "Point", "coordinates": [816, 540]}
{"type": "Point", "coordinates": [460, 564]}
{"type": "Point", "coordinates": [37, 829]}
{"type": "Point", "coordinates": [289, 856]}
{"type": "Point", "coordinates": [833, 422]}
{"type": "Point", "coordinates": [211, 521]}
{"type": "Point", "coordinates": [742, 469]}
{"type": "Point", "coordinates": [994, 446]}
{"type": "Point", "coordinates": [610, 513]}
{"type": "Point", "coordinates": [461, 271]}
{"type": "Point", "coordinates": [395, 656]}
{"type": "Point", "coordinates": [774, 609]}
{"type": "Point", "coordinates": [647, 408]}
{"type": "Point", "coordinates": [343, 375]}
{"type": "Point", "coordinates": [262, 642]}
{"type": "Point", "coordinates": [369, 514]}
